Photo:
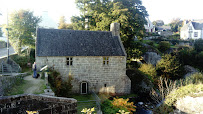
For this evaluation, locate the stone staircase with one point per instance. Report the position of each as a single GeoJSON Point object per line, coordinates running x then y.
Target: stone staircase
{"type": "Point", "coordinates": [9, 66]}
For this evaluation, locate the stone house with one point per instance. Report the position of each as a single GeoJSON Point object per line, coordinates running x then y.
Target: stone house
{"type": "Point", "coordinates": [96, 59]}
{"type": "Point", "coordinates": [192, 30]}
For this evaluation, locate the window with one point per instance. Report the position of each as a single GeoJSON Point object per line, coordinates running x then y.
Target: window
{"type": "Point", "coordinates": [195, 34]}
{"type": "Point", "coordinates": [105, 60]}
{"type": "Point", "coordinates": [69, 61]}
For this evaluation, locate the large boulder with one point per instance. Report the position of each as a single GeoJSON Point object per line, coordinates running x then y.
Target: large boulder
{"type": "Point", "coordinates": [189, 70]}
{"type": "Point", "coordinates": [190, 105]}
{"type": "Point", "coordinates": [151, 58]}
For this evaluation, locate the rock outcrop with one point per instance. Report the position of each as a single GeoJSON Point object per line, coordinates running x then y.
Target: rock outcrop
{"type": "Point", "coordinates": [151, 58]}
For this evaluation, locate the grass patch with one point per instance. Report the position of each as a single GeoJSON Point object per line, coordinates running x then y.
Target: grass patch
{"type": "Point", "coordinates": [104, 97]}
{"type": "Point", "coordinates": [42, 88]}
{"type": "Point", "coordinates": [173, 46]}
{"type": "Point", "coordinates": [84, 101]}
{"type": "Point", "coordinates": [80, 97]}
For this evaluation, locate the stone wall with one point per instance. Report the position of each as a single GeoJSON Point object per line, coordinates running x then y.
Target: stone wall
{"type": "Point", "coordinates": [7, 82]}
{"type": "Point", "coordinates": [100, 78]}
{"type": "Point", "coordinates": [19, 104]}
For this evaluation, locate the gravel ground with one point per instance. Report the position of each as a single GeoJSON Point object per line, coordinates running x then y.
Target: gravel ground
{"type": "Point", "coordinates": [34, 85]}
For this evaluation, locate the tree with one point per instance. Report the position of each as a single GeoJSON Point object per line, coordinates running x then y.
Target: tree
{"type": "Point", "coordinates": [22, 29]}
{"type": "Point", "coordinates": [163, 46]}
{"type": "Point", "coordinates": [98, 15]}
{"type": "Point", "coordinates": [198, 45]}
{"type": "Point", "coordinates": [169, 67]}
{"type": "Point", "coordinates": [69, 26]}
{"type": "Point", "coordinates": [158, 23]}
{"type": "Point", "coordinates": [176, 24]}
{"type": "Point", "coordinates": [150, 70]}
{"type": "Point", "coordinates": [62, 23]}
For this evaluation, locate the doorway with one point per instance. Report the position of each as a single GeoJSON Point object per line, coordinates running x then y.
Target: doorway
{"type": "Point", "coordinates": [84, 87]}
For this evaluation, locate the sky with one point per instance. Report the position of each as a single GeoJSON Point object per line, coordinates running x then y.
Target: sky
{"type": "Point", "coordinates": [55, 8]}
{"type": "Point", "coordinates": [164, 10]}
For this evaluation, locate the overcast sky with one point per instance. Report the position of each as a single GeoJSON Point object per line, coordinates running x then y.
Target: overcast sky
{"type": "Point", "coordinates": [165, 10]}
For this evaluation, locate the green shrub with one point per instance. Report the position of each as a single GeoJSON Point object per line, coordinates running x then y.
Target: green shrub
{"type": "Point", "coordinates": [42, 75]}
{"type": "Point", "coordinates": [163, 46]}
{"type": "Point", "coordinates": [136, 50]}
{"type": "Point", "coordinates": [194, 78]}
{"type": "Point", "coordinates": [62, 88]}
{"type": "Point", "coordinates": [107, 107]}
{"type": "Point", "coordinates": [149, 69]}
{"type": "Point", "coordinates": [137, 79]}
{"type": "Point", "coordinates": [198, 45]}
{"type": "Point", "coordinates": [23, 59]}
{"type": "Point", "coordinates": [163, 109]}
{"type": "Point", "coordinates": [151, 43]}
{"type": "Point", "coordinates": [169, 67]}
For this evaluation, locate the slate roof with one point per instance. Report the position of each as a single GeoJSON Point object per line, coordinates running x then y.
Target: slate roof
{"type": "Point", "coordinates": [197, 24]}
{"type": "Point", "coordinates": [59, 42]}
{"type": "Point", "coordinates": [164, 27]}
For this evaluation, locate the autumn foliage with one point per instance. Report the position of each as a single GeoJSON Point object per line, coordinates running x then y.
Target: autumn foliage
{"type": "Point", "coordinates": [123, 104]}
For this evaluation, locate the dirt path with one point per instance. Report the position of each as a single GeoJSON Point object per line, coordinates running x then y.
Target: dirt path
{"type": "Point", "coordinates": [33, 85]}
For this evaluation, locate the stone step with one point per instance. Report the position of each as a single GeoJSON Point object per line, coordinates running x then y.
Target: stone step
{"type": "Point", "coordinates": [49, 94]}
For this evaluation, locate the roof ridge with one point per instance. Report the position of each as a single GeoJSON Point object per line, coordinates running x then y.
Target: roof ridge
{"type": "Point", "coordinates": [72, 30]}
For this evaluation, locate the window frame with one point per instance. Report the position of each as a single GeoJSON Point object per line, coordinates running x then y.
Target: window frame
{"type": "Point", "coordinates": [69, 61]}
{"type": "Point", "coordinates": [105, 61]}
{"type": "Point", "coordinates": [195, 34]}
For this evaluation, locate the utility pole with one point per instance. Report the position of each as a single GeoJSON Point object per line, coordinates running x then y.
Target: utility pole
{"type": "Point", "coordinates": [7, 39]}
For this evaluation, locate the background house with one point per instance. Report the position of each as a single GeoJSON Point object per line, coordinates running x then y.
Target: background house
{"type": "Point", "coordinates": [192, 30]}
{"type": "Point", "coordinates": [164, 30]}
{"type": "Point", "coordinates": [96, 59]}
{"type": "Point", "coordinates": [149, 26]}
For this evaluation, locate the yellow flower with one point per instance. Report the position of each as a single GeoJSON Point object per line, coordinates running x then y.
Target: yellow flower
{"type": "Point", "coordinates": [84, 110]}
{"type": "Point", "coordinates": [92, 109]}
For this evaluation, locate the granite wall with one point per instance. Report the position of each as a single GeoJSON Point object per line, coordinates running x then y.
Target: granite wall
{"type": "Point", "coordinates": [21, 104]}
{"type": "Point", "coordinates": [101, 78]}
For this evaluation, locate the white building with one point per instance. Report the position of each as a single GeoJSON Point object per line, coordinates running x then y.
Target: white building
{"type": "Point", "coordinates": [149, 27]}
{"type": "Point", "coordinates": [192, 30]}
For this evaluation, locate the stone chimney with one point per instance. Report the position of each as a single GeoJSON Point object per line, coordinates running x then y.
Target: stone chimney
{"type": "Point", "coordinates": [115, 29]}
